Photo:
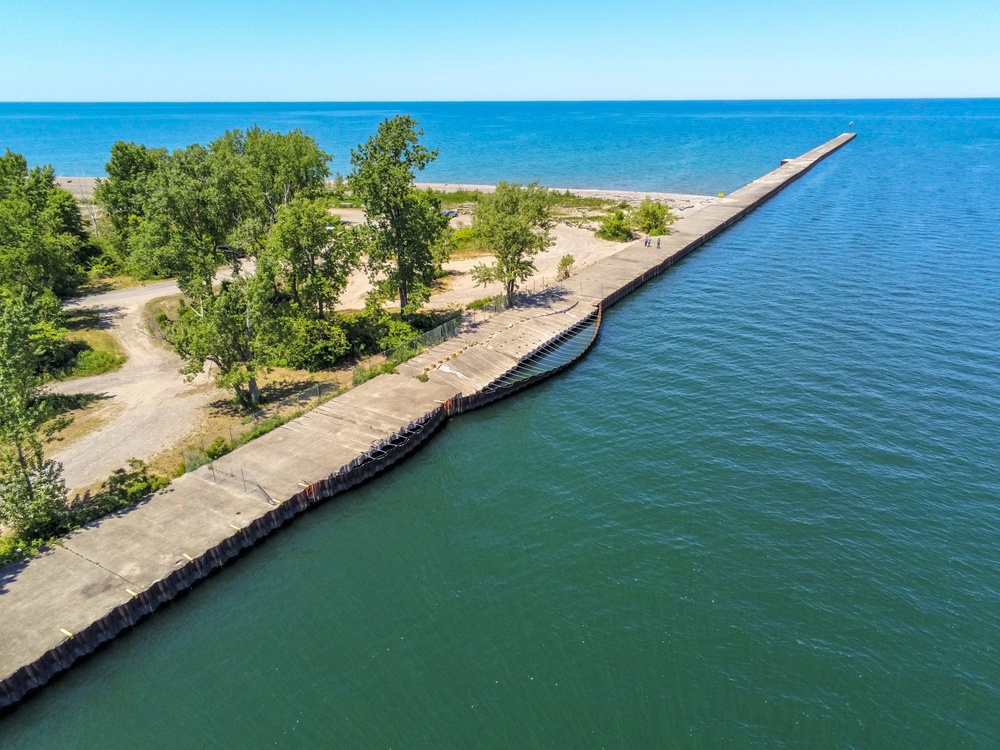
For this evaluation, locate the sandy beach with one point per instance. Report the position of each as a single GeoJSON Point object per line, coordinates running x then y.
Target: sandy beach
{"type": "Point", "coordinates": [681, 204]}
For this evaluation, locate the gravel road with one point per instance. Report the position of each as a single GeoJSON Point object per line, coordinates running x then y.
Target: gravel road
{"type": "Point", "coordinates": [157, 406]}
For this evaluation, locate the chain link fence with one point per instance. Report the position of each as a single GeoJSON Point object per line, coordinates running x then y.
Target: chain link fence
{"type": "Point", "coordinates": [417, 344]}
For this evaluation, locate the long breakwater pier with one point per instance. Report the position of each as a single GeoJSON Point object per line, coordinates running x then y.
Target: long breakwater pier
{"type": "Point", "coordinates": [104, 578]}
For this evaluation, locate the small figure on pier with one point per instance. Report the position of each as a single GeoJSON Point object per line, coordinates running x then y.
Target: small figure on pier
{"type": "Point", "coordinates": [657, 243]}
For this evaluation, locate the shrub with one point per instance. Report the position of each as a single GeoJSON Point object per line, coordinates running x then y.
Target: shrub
{"type": "Point", "coordinates": [651, 217]}
{"type": "Point", "coordinates": [615, 227]}
{"type": "Point", "coordinates": [395, 332]}
{"type": "Point", "coordinates": [465, 239]}
{"type": "Point", "coordinates": [218, 448]}
{"type": "Point", "coordinates": [13, 548]}
{"type": "Point", "coordinates": [310, 344]}
{"type": "Point", "coordinates": [565, 267]}
{"type": "Point", "coordinates": [122, 489]}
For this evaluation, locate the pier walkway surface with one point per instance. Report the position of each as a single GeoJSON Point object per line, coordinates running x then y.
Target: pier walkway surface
{"type": "Point", "coordinates": [105, 577]}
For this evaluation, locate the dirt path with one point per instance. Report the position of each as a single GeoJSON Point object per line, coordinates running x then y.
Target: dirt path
{"type": "Point", "coordinates": [156, 406]}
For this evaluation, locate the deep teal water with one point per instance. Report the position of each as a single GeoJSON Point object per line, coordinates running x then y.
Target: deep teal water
{"type": "Point", "coordinates": [764, 511]}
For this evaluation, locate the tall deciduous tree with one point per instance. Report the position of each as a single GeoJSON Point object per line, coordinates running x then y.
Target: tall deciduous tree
{"type": "Point", "coordinates": [231, 329]}
{"type": "Point", "coordinates": [405, 223]}
{"type": "Point", "coordinates": [42, 239]}
{"type": "Point", "coordinates": [272, 169]}
{"type": "Point", "coordinates": [32, 492]}
{"type": "Point", "coordinates": [194, 203]}
{"type": "Point", "coordinates": [125, 192]}
{"type": "Point", "coordinates": [513, 224]}
{"type": "Point", "coordinates": [315, 253]}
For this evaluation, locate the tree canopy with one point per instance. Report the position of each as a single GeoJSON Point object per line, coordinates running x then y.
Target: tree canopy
{"type": "Point", "coordinates": [42, 239]}
{"type": "Point", "coordinates": [513, 223]}
{"type": "Point", "coordinates": [32, 492]}
{"type": "Point", "coordinates": [651, 217]}
{"type": "Point", "coordinates": [405, 224]}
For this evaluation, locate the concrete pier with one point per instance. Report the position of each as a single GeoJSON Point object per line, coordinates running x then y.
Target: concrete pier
{"type": "Point", "coordinates": [106, 577]}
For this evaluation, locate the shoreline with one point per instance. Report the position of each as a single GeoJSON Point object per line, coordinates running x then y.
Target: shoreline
{"type": "Point", "coordinates": [82, 188]}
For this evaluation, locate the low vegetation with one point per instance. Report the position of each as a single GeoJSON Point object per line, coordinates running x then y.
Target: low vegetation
{"type": "Point", "coordinates": [565, 267]}
{"type": "Point", "coordinates": [615, 227]}
{"type": "Point", "coordinates": [649, 217]}
{"type": "Point", "coordinates": [121, 490]}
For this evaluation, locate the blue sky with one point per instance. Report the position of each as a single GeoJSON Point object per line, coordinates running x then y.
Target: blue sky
{"type": "Point", "coordinates": [388, 50]}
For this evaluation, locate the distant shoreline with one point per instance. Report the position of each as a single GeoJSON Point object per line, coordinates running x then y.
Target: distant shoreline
{"type": "Point", "coordinates": [82, 188]}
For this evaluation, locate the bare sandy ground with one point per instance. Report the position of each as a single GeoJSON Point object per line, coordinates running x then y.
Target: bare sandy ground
{"type": "Point", "coordinates": [682, 204]}
{"type": "Point", "coordinates": [581, 243]}
{"type": "Point", "coordinates": [156, 407]}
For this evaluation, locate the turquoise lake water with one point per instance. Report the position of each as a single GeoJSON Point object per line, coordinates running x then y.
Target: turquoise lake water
{"type": "Point", "coordinates": [763, 511]}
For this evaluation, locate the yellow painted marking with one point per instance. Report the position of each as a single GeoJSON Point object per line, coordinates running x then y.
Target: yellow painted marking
{"type": "Point", "coordinates": [233, 525]}
{"type": "Point", "coordinates": [65, 632]}
{"type": "Point", "coordinates": [189, 558]}
{"type": "Point", "coordinates": [130, 591]}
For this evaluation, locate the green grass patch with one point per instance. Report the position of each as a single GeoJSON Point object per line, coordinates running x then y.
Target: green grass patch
{"type": "Point", "coordinates": [458, 197]}
{"type": "Point", "coordinates": [97, 352]}
{"type": "Point", "coordinates": [364, 373]}
{"type": "Point", "coordinates": [566, 199]}
{"type": "Point", "coordinates": [485, 302]}
{"type": "Point", "coordinates": [93, 349]}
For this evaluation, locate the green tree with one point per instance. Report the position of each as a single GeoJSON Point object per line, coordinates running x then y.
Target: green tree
{"type": "Point", "coordinates": [196, 199]}
{"type": "Point", "coordinates": [270, 170]}
{"type": "Point", "coordinates": [405, 224]}
{"type": "Point", "coordinates": [42, 239]}
{"type": "Point", "coordinates": [32, 492]}
{"type": "Point", "coordinates": [124, 194]}
{"type": "Point", "coordinates": [651, 217]}
{"type": "Point", "coordinates": [315, 253]}
{"type": "Point", "coordinates": [615, 227]}
{"type": "Point", "coordinates": [207, 207]}
{"type": "Point", "coordinates": [513, 224]}
{"type": "Point", "coordinates": [284, 166]}
{"type": "Point", "coordinates": [231, 329]}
